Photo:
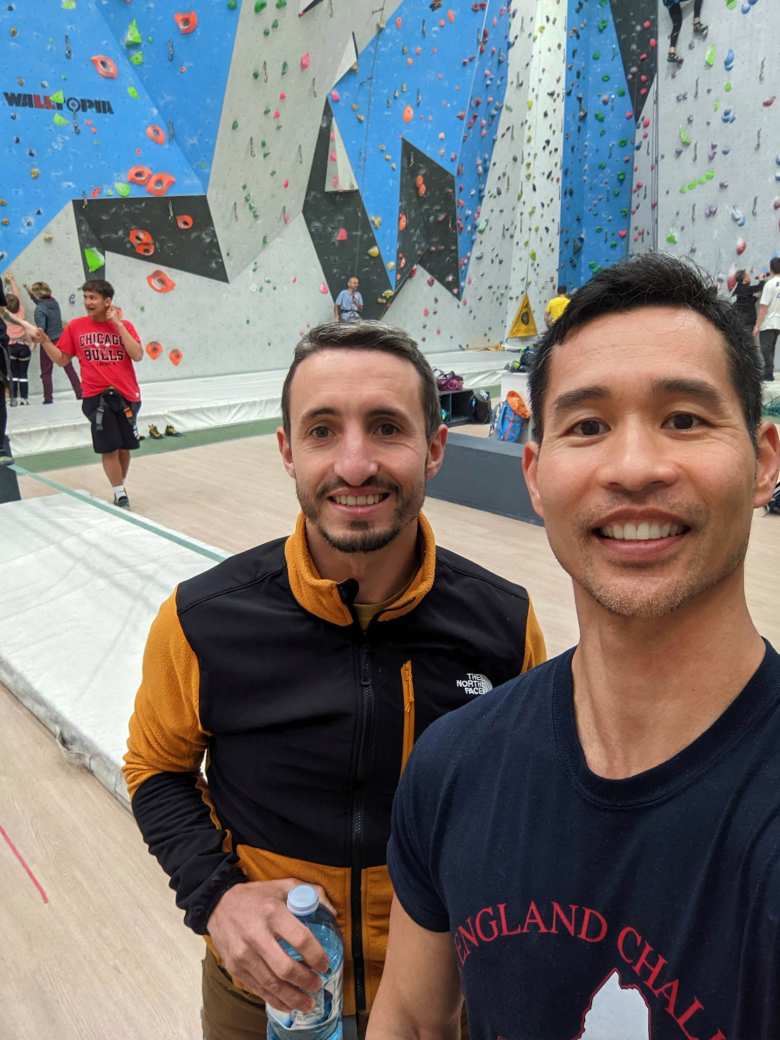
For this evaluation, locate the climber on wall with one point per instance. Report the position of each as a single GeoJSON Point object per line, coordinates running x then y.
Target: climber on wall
{"type": "Point", "coordinates": [675, 12]}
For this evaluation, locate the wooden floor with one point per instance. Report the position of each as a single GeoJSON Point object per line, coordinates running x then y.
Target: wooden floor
{"type": "Point", "coordinates": [107, 955]}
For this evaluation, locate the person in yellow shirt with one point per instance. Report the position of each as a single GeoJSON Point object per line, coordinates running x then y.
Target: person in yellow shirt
{"type": "Point", "coordinates": [556, 306]}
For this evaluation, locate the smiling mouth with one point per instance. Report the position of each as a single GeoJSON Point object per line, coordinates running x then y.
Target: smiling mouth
{"type": "Point", "coordinates": [642, 532]}
{"type": "Point", "coordinates": [359, 500]}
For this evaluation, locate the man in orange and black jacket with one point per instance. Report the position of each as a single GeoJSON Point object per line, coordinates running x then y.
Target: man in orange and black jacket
{"type": "Point", "coordinates": [302, 671]}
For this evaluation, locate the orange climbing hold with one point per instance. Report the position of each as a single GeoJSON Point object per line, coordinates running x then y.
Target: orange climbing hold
{"type": "Point", "coordinates": [105, 66]}
{"type": "Point", "coordinates": [419, 183]}
{"type": "Point", "coordinates": [175, 356]}
{"type": "Point", "coordinates": [139, 174]}
{"type": "Point", "coordinates": [187, 22]}
{"type": "Point", "coordinates": [402, 222]}
{"type": "Point", "coordinates": [408, 114]}
{"type": "Point", "coordinates": [159, 183]}
{"type": "Point", "coordinates": [160, 282]}
{"type": "Point", "coordinates": [155, 133]}
{"type": "Point", "coordinates": [141, 241]}
{"type": "Point", "coordinates": [451, 15]}
{"type": "Point", "coordinates": [154, 349]}
{"type": "Point", "coordinates": [184, 222]}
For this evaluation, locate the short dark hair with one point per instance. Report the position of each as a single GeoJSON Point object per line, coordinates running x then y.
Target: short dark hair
{"type": "Point", "coordinates": [99, 286]}
{"type": "Point", "coordinates": [12, 302]}
{"type": "Point", "coordinates": [561, 289]}
{"type": "Point", "coordinates": [774, 265]}
{"type": "Point", "coordinates": [655, 280]}
{"type": "Point", "coordinates": [367, 335]}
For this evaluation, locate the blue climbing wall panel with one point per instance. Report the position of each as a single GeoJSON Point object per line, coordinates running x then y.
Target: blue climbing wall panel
{"type": "Point", "coordinates": [437, 80]}
{"type": "Point", "coordinates": [78, 103]}
{"type": "Point", "coordinates": [600, 114]}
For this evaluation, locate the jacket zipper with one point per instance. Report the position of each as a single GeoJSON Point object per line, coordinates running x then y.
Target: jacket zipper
{"type": "Point", "coordinates": [366, 709]}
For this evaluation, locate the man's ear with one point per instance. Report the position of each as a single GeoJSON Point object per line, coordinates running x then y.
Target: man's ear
{"type": "Point", "coordinates": [436, 447]}
{"type": "Point", "coordinates": [767, 463]}
{"type": "Point", "coordinates": [285, 450]}
{"type": "Point", "coordinates": [531, 474]}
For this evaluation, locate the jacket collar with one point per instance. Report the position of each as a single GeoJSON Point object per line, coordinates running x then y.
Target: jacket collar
{"type": "Point", "coordinates": [322, 597]}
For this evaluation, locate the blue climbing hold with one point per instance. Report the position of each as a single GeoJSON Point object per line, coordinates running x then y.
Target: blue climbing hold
{"type": "Point", "coordinates": [729, 61]}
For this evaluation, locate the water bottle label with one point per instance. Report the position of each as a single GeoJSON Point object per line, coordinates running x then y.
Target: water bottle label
{"type": "Point", "coordinates": [327, 1006]}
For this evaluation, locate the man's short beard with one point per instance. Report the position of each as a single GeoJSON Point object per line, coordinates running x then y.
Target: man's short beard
{"type": "Point", "coordinates": [362, 538]}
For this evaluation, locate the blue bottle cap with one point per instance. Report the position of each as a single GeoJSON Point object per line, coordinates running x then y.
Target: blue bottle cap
{"type": "Point", "coordinates": [302, 900]}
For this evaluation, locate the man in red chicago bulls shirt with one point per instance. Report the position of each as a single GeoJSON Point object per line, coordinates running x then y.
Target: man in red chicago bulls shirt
{"type": "Point", "coordinates": [106, 348]}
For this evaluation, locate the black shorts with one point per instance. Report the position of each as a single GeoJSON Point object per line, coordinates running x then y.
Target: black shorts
{"type": "Point", "coordinates": [112, 428]}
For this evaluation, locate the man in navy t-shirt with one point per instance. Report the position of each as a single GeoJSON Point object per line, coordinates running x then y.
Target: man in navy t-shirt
{"type": "Point", "coordinates": [592, 851]}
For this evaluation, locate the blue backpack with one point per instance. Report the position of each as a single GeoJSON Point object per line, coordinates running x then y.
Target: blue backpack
{"type": "Point", "coordinates": [507, 425]}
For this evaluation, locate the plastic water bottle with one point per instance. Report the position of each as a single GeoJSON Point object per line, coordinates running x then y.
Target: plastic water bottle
{"type": "Point", "coordinates": [323, 1022]}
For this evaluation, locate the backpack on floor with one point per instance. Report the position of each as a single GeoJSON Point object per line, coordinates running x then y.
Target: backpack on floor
{"type": "Point", "coordinates": [510, 419]}
{"type": "Point", "coordinates": [479, 406]}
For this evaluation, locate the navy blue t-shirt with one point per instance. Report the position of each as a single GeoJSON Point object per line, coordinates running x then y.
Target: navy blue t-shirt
{"type": "Point", "coordinates": [580, 907]}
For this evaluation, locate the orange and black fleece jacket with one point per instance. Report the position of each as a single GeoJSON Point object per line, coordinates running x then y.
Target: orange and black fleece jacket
{"type": "Point", "coordinates": [270, 730]}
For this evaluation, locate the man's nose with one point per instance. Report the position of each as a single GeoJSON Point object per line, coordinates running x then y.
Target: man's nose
{"type": "Point", "coordinates": [355, 460]}
{"type": "Point", "coordinates": [636, 457]}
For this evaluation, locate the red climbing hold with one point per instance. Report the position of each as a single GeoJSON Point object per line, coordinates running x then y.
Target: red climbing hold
{"type": "Point", "coordinates": [155, 133]}
{"type": "Point", "coordinates": [160, 282]}
{"type": "Point", "coordinates": [160, 183]}
{"type": "Point", "coordinates": [142, 241]}
{"type": "Point", "coordinates": [305, 60]}
{"type": "Point", "coordinates": [184, 222]}
{"type": "Point", "coordinates": [768, 102]}
{"type": "Point", "coordinates": [154, 349]}
{"type": "Point", "coordinates": [175, 356]}
{"type": "Point", "coordinates": [402, 222]}
{"type": "Point", "coordinates": [139, 174]}
{"type": "Point", "coordinates": [105, 66]}
{"type": "Point", "coordinates": [186, 21]}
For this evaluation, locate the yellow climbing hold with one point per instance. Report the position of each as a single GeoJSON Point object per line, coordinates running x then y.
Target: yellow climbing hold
{"type": "Point", "coordinates": [374, 251]}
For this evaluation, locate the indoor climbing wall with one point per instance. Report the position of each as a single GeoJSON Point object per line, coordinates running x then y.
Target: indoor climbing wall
{"type": "Point", "coordinates": [710, 169]}
{"type": "Point", "coordinates": [610, 70]}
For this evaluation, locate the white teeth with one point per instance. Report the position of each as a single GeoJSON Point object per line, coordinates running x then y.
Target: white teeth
{"type": "Point", "coordinates": [357, 500]}
{"type": "Point", "coordinates": [643, 532]}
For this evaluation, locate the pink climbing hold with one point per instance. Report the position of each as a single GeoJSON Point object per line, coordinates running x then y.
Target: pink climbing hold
{"type": "Point", "coordinates": [341, 235]}
{"type": "Point", "coordinates": [285, 184]}
{"type": "Point", "coordinates": [769, 102]}
{"type": "Point", "coordinates": [282, 96]}
{"type": "Point", "coordinates": [335, 96]}
{"type": "Point", "coordinates": [324, 289]}
{"type": "Point", "coordinates": [622, 233]}
{"type": "Point", "coordinates": [741, 246]}
{"type": "Point", "coordinates": [305, 60]}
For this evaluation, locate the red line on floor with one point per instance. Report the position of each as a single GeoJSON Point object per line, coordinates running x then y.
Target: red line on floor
{"type": "Point", "coordinates": [22, 860]}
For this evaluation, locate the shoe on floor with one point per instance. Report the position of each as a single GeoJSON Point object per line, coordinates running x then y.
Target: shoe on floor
{"type": "Point", "coordinates": [122, 501]}
{"type": "Point", "coordinates": [154, 433]}
{"type": "Point", "coordinates": [171, 431]}
{"type": "Point", "coordinates": [13, 402]}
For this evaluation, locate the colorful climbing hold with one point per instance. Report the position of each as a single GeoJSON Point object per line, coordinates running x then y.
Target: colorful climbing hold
{"type": "Point", "coordinates": [154, 349]}
{"type": "Point", "coordinates": [104, 66]}
{"type": "Point", "coordinates": [155, 133]}
{"type": "Point", "coordinates": [139, 174]}
{"type": "Point", "coordinates": [741, 246]}
{"type": "Point", "coordinates": [728, 61]}
{"type": "Point", "coordinates": [709, 56]}
{"type": "Point", "coordinates": [160, 282]}
{"type": "Point", "coordinates": [94, 259]}
{"type": "Point", "coordinates": [133, 34]}
{"type": "Point", "coordinates": [133, 92]}
{"type": "Point", "coordinates": [141, 241]}
{"type": "Point", "coordinates": [408, 115]}
{"type": "Point", "coordinates": [324, 289]}
{"type": "Point", "coordinates": [121, 188]}
{"type": "Point", "coordinates": [305, 60]}
{"type": "Point", "coordinates": [342, 235]}
{"type": "Point", "coordinates": [186, 21]}
{"type": "Point", "coordinates": [160, 183]}
{"type": "Point", "coordinates": [175, 356]}
{"type": "Point", "coordinates": [184, 222]}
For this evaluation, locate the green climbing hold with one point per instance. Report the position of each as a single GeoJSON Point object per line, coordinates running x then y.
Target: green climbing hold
{"type": "Point", "coordinates": [256, 74]}
{"type": "Point", "coordinates": [599, 229]}
{"type": "Point", "coordinates": [694, 184]}
{"type": "Point", "coordinates": [532, 254]}
{"type": "Point", "coordinates": [728, 87]}
{"type": "Point", "coordinates": [605, 78]}
{"type": "Point", "coordinates": [122, 188]}
{"type": "Point", "coordinates": [621, 175]}
{"type": "Point", "coordinates": [596, 55]}
{"type": "Point", "coordinates": [600, 117]}
{"type": "Point", "coordinates": [68, 5]}
{"type": "Point", "coordinates": [137, 58]}
{"type": "Point", "coordinates": [622, 142]}
{"type": "Point", "coordinates": [709, 57]}
{"type": "Point", "coordinates": [602, 25]}
{"type": "Point", "coordinates": [594, 266]}
{"type": "Point", "coordinates": [685, 137]}
{"type": "Point", "coordinates": [709, 175]}
{"type": "Point", "coordinates": [59, 97]}
{"type": "Point", "coordinates": [133, 35]}
{"type": "Point", "coordinates": [602, 166]}
{"type": "Point", "coordinates": [60, 120]}
{"type": "Point", "coordinates": [671, 238]}
{"type": "Point", "coordinates": [621, 92]}
{"type": "Point", "coordinates": [234, 125]}
{"type": "Point", "coordinates": [133, 92]}
{"type": "Point", "coordinates": [260, 6]}
{"type": "Point", "coordinates": [275, 23]}
{"type": "Point", "coordinates": [281, 3]}
{"type": "Point", "coordinates": [684, 189]}
{"type": "Point", "coordinates": [94, 258]}
{"type": "Point", "coordinates": [731, 4]}
{"type": "Point", "coordinates": [285, 67]}
{"type": "Point", "coordinates": [266, 31]}
{"type": "Point", "coordinates": [232, 5]}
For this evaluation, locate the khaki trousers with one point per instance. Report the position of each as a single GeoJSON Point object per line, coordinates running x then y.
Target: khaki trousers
{"type": "Point", "coordinates": [231, 1014]}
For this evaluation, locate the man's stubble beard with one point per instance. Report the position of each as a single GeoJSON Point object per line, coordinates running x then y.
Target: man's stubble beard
{"type": "Point", "coordinates": [363, 538]}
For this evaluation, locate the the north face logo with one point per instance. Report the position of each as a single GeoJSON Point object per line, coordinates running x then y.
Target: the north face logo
{"type": "Point", "coordinates": [475, 684]}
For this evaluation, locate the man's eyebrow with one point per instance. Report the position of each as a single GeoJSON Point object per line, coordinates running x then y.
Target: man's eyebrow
{"type": "Point", "coordinates": [574, 398]}
{"type": "Point", "coordinates": [326, 411]}
{"type": "Point", "coordinates": [696, 388]}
